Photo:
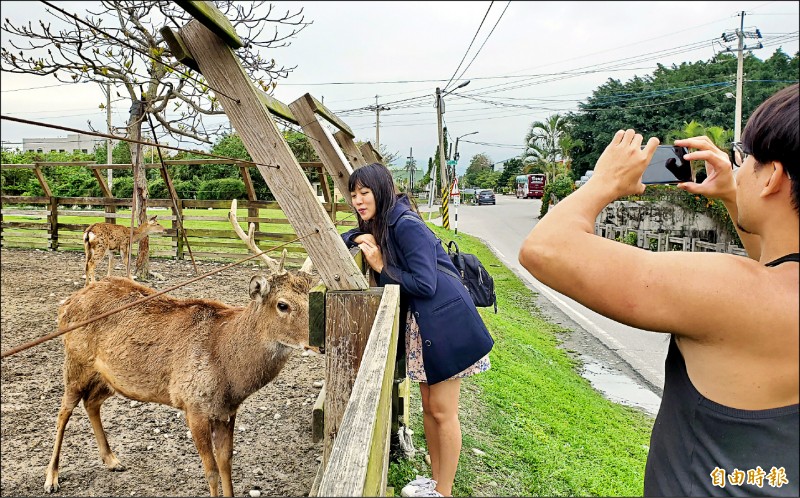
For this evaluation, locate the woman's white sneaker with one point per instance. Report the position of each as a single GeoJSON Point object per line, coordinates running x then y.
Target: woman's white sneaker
{"type": "Point", "coordinates": [417, 486]}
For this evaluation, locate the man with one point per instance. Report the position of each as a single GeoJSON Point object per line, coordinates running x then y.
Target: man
{"type": "Point", "coordinates": [728, 421]}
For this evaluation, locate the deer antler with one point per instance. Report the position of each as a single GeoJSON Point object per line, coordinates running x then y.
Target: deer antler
{"type": "Point", "coordinates": [249, 239]}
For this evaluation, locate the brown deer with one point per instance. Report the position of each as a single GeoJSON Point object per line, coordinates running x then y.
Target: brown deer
{"type": "Point", "coordinates": [100, 239]}
{"type": "Point", "coordinates": [198, 355]}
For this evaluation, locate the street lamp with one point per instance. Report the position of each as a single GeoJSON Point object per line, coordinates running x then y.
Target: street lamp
{"type": "Point", "coordinates": [455, 155]}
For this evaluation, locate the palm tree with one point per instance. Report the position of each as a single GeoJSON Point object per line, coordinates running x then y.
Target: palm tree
{"type": "Point", "coordinates": [544, 142]}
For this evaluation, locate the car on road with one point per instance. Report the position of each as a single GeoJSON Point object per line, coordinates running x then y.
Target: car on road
{"type": "Point", "coordinates": [485, 197]}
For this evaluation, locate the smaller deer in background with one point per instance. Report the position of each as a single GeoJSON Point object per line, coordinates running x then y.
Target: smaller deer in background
{"type": "Point", "coordinates": [100, 239]}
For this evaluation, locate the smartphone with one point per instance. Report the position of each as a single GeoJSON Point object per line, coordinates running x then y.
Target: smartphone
{"type": "Point", "coordinates": [668, 166]}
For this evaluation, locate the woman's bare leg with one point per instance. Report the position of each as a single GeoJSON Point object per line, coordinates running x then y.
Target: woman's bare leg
{"type": "Point", "coordinates": [442, 430]}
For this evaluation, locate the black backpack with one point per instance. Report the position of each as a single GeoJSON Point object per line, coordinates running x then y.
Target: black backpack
{"type": "Point", "coordinates": [471, 272]}
{"type": "Point", "coordinates": [473, 275]}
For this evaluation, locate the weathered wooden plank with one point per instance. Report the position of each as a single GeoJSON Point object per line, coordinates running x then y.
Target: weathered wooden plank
{"type": "Point", "coordinates": [368, 153]}
{"type": "Point", "coordinates": [350, 470]}
{"type": "Point", "coordinates": [16, 166]}
{"type": "Point", "coordinates": [42, 181]}
{"type": "Point", "coordinates": [226, 204]}
{"type": "Point", "coordinates": [275, 106]}
{"type": "Point", "coordinates": [329, 116]}
{"type": "Point", "coordinates": [178, 48]}
{"type": "Point", "coordinates": [316, 316]}
{"type": "Point", "coordinates": [22, 199]}
{"type": "Point", "coordinates": [350, 151]}
{"type": "Point", "coordinates": [348, 320]}
{"type": "Point", "coordinates": [213, 19]}
{"type": "Point", "coordinates": [277, 164]}
{"type": "Point", "coordinates": [324, 145]}
{"type": "Point", "coordinates": [318, 417]}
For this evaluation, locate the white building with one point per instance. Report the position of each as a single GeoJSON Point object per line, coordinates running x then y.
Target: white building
{"type": "Point", "coordinates": [70, 143]}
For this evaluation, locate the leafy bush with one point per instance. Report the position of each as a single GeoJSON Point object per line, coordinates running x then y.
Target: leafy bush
{"type": "Point", "coordinates": [222, 188]}
{"type": "Point", "coordinates": [157, 189]}
{"type": "Point", "coordinates": [561, 187]}
{"type": "Point", "coordinates": [122, 187]}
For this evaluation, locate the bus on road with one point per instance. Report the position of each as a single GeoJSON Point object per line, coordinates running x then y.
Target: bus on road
{"type": "Point", "coordinates": [531, 185]}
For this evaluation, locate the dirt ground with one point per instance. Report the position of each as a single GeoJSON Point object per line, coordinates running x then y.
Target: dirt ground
{"type": "Point", "coordinates": [273, 449]}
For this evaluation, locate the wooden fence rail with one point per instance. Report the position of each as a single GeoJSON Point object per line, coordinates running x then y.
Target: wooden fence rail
{"type": "Point", "coordinates": [47, 223]}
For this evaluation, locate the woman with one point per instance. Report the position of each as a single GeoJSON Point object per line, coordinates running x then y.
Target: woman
{"type": "Point", "coordinates": [445, 338]}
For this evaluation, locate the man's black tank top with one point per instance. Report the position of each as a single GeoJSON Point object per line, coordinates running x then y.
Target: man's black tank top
{"type": "Point", "coordinates": [698, 445]}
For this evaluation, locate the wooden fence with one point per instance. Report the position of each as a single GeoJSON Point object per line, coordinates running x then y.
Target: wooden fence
{"type": "Point", "coordinates": [49, 221]}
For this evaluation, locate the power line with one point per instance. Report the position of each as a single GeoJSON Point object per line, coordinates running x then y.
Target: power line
{"type": "Point", "coordinates": [484, 41]}
{"type": "Point", "coordinates": [470, 45]}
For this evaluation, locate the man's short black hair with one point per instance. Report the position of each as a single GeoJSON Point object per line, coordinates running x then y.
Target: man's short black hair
{"type": "Point", "coordinates": [773, 134]}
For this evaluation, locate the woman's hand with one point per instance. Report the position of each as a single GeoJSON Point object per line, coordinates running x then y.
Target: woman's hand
{"type": "Point", "coordinates": [372, 252]}
{"type": "Point", "coordinates": [366, 237]}
{"type": "Point", "coordinates": [622, 163]}
{"type": "Point", "coordinates": [719, 182]}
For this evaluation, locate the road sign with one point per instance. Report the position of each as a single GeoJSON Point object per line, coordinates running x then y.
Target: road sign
{"type": "Point", "coordinates": [454, 190]}
{"type": "Point", "coordinates": [451, 163]}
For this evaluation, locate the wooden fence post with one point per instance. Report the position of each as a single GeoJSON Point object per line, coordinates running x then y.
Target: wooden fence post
{"type": "Point", "coordinates": [179, 229]}
{"type": "Point", "coordinates": [272, 155]}
{"type": "Point", "coordinates": [52, 218]}
{"type": "Point", "coordinates": [348, 320]}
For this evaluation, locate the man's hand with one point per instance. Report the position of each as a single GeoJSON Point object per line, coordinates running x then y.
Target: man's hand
{"type": "Point", "coordinates": [719, 182]}
{"type": "Point", "coordinates": [622, 163]}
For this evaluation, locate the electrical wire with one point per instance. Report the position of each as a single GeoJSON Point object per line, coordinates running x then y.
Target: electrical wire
{"type": "Point", "coordinates": [470, 46]}
{"type": "Point", "coordinates": [484, 42]}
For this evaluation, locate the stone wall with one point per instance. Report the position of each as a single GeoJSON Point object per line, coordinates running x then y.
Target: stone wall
{"type": "Point", "coordinates": [663, 217]}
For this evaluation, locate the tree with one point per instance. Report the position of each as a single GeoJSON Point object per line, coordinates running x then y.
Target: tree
{"type": "Point", "coordinates": [655, 104]}
{"type": "Point", "coordinates": [544, 143]}
{"type": "Point", "coordinates": [121, 44]}
{"type": "Point", "coordinates": [478, 163]}
{"type": "Point", "coordinates": [512, 169]}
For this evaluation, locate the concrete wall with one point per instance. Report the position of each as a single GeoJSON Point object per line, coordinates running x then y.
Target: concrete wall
{"type": "Point", "coordinates": [663, 217]}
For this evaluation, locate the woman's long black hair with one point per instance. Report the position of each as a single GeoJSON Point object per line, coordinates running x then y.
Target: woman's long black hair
{"type": "Point", "coordinates": [377, 178]}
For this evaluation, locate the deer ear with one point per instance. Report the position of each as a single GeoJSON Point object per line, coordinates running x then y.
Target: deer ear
{"type": "Point", "coordinates": [259, 287]}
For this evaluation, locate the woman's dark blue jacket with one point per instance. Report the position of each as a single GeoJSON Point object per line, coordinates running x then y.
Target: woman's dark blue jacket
{"type": "Point", "coordinates": [453, 333]}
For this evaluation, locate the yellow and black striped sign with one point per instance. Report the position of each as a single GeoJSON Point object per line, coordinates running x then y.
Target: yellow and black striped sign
{"type": "Point", "coordinates": [445, 209]}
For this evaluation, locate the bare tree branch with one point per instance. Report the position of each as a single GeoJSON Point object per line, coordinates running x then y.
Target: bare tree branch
{"type": "Point", "coordinates": [90, 50]}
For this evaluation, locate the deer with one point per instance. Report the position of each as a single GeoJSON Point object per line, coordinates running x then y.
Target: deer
{"type": "Point", "coordinates": [201, 356]}
{"type": "Point", "coordinates": [100, 239]}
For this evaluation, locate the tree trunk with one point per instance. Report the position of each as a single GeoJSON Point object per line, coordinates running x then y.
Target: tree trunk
{"type": "Point", "coordinates": [140, 194]}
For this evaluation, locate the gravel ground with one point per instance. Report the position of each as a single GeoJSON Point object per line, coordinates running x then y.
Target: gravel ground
{"type": "Point", "coordinates": [273, 450]}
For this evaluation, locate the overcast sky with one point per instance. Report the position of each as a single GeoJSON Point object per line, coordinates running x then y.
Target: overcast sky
{"type": "Point", "coordinates": [353, 48]}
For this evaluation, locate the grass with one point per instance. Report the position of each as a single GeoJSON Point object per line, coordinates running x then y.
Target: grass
{"type": "Point", "coordinates": [543, 428]}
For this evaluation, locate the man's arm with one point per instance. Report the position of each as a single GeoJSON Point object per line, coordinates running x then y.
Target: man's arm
{"type": "Point", "coordinates": [674, 292]}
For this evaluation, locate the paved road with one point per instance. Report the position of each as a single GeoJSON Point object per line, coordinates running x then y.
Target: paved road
{"type": "Point", "coordinates": [503, 227]}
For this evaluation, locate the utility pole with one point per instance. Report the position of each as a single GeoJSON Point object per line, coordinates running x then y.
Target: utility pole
{"type": "Point", "coordinates": [378, 109]}
{"type": "Point", "coordinates": [411, 168]}
{"type": "Point", "coordinates": [109, 148]}
{"type": "Point", "coordinates": [442, 160]}
{"type": "Point", "coordinates": [740, 34]}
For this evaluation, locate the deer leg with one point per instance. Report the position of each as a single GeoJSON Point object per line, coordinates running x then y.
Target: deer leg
{"type": "Point", "coordinates": [110, 262]}
{"type": "Point", "coordinates": [222, 434]}
{"type": "Point", "coordinates": [68, 403]}
{"type": "Point", "coordinates": [201, 434]}
{"type": "Point", "coordinates": [92, 403]}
